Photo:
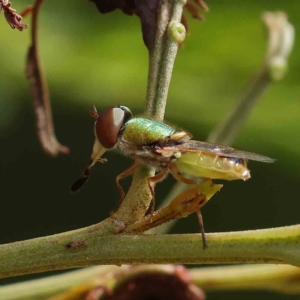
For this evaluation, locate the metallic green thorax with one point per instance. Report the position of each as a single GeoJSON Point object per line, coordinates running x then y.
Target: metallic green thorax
{"type": "Point", "coordinates": [142, 131]}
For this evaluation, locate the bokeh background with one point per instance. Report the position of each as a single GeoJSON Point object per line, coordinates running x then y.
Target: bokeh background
{"type": "Point", "coordinates": [98, 59]}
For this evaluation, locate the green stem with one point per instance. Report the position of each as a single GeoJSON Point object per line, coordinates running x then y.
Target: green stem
{"type": "Point", "coordinates": [76, 284]}
{"type": "Point", "coordinates": [161, 61]}
{"type": "Point", "coordinates": [227, 131]}
{"type": "Point", "coordinates": [133, 208]}
{"type": "Point", "coordinates": [46, 287]}
{"type": "Point", "coordinates": [170, 32]}
{"type": "Point", "coordinates": [279, 245]}
{"type": "Point", "coordinates": [155, 58]}
{"type": "Point", "coordinates": [282, 278]}
{"type": "Point", "coordinates": [278, 278]}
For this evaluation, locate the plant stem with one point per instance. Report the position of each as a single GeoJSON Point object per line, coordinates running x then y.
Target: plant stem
{"type": "Point", "coordinates": [279, 278]}
{"type": "Point", "coordinates": [155, 58]}
{"type": "Point", "coordinates": [46, 287]}
{"type": "Point", "coordinates": [133, 208]}
{"type": "Point", "coordinates": [283, 279]}
{"type": "Point", "coordinates": [227, 131]}
{"type": "Point", "coordinates": [161, 61]}
{"type": "Point", "coordinates": [279, 245]}
{"type": "Point", "coordinates": [76, 284]}
{"type": "Point", "coordinates": [170, 32]}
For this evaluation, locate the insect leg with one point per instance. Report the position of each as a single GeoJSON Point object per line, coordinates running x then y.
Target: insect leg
{"type": "Point", "coordinates": [94, 113]}
{"type": "Point", "coordinates": [191, 201]}
{"type": "Point", "coordinates": [200, 219]}
{"type": "Point", "coordinates": [177, 176]}
{"type": "Point", "coordinates": [124, 174]}
{"type": "Point", "coordinates": [154, 179]}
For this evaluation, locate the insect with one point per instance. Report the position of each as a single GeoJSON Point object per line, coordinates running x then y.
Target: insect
{"type": "Point", "coordinates": [167, 149]}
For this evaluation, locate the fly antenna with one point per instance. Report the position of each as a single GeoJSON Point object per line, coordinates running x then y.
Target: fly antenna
{"type": "Point", "coordinates": [77, 185]}
{"type": "Point", "coordinates": [94, 113]}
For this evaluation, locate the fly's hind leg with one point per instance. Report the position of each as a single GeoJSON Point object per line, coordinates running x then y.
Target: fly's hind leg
{"type": "Point", "coordinates": [151, 182]}
{"type": "Point", "coordinates": [177, 176]}
{"type": "Point", "coordinates": [201, 224]}
{"type": "Point", "coordinates": [124, 174]}
{"type": "Point", "coordinates": [190, 201]}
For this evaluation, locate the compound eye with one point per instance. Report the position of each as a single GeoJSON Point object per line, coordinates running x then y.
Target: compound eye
{"type": "Point", "coordinates": [109, 124]}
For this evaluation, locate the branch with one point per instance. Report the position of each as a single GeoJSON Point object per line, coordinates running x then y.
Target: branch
{"type": "Point", "coordinates": [79, 249]}
{"type": "Point", "coordinates": [183, 205]}
{"type": "Point", "coordinates": [169, 33]}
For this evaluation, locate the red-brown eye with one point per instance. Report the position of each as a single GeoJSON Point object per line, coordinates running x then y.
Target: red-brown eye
{"type": "Point", "coordinates": [109, 125]}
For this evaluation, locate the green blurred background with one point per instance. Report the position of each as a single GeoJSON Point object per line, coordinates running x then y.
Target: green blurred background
{"type": "Point", "coordinates": [98, 59]}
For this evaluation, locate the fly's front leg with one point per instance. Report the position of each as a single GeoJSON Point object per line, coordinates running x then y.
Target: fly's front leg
{"type": "Point", "coordinates": [124, 174]}
{"type": "Point", "coordinates": [152, 182]}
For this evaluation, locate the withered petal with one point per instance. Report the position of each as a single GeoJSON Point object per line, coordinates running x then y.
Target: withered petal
{"type": "Point", "coordinates": [146, 10]}
{"type": "Point", "coordinates": [106, 6]}
{"type": "Point", "coordinates": [11, 16]}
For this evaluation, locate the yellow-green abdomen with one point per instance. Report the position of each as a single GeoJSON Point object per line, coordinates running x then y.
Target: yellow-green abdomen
{"type": "Point", "coordinates": [212, 166]}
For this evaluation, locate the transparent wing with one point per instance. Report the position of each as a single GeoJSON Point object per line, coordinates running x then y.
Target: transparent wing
{"type": "Point", "coordinates": [214, 149]}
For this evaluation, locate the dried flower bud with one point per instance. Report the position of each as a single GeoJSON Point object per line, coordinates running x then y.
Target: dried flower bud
{"type": "Point", "coordinates": [11, 16]}
{"type": "Point", "coordinates": [281, 39]}
{"type": "Point", "coordinates": [147, 11]}
{"type": "Point", "coordinates": [156, 285]}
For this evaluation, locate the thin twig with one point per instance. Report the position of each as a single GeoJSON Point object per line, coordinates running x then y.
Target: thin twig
{"type": "Point", "coordinates": [280, 44]}
{"type": "Point", "coordinates": [39, 89]}
{"type": "Point", "coordinates": [227, 131]}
